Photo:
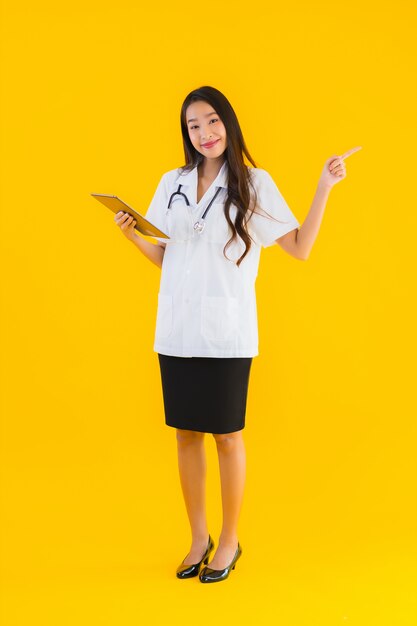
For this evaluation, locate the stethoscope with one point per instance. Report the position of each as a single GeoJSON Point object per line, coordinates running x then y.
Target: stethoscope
{"type": "Point", "coordinates": [198, 225]}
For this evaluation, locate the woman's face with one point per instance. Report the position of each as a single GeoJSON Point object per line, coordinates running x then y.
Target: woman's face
{"type": "Point", "coordinates": [205, 127]}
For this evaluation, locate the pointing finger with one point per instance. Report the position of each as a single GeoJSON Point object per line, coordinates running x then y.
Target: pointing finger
{"type": "Point", "coordinates": [351, 151]}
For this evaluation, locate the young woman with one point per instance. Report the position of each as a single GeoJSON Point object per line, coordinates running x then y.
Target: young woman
{"type": "Point", "coordinates": [218, 213]}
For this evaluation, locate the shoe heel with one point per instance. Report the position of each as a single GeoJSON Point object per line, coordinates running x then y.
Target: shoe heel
{"type": "Point", "coordinates": [206, 560]}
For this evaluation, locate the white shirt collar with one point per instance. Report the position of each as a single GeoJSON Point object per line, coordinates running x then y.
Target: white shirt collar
{"type": "Point", "coordinates": [190, 179]}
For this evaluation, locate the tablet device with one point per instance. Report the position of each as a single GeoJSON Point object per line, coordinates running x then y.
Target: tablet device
{"type": "Point", "coordinates": [115, 204]}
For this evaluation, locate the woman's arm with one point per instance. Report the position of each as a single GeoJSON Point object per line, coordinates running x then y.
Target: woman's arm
{"type": "Point", "coordinates": [153, 251]}
{"type": "Point", "coordinates": [299, 242]}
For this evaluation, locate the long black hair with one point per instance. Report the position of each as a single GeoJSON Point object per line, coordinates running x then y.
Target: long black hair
{"type": "Point", "coordinates": [240, 184]}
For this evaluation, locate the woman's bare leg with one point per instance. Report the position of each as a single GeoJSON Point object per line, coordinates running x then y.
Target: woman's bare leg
{"type": "Point", "coordinates": [232, 463]}
{"type": "Point", "coordinates": [192, 468]}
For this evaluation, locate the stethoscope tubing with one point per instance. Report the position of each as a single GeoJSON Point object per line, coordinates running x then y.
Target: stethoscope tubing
{"type": "Point", "coordinates": [198, 225]}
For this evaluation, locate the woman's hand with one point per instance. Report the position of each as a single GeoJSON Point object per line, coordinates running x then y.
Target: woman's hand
{"type": "Point", "coordinates": [334, 169]}
{"type": "Point", "coordinates": [127, 224]}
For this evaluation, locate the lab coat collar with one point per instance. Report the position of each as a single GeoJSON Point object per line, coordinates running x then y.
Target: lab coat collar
{"type": "Point", "coordinates": [191, 178]}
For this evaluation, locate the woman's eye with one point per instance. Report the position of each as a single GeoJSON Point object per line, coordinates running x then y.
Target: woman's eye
{"type": "Point", "coordinates": [213, 120]}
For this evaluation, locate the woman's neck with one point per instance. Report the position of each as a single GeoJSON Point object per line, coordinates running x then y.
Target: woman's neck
{"type": "Point", "coordinates": [209, 168]}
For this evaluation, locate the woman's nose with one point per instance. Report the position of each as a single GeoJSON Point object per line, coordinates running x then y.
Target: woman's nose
{"type": "Point", "coordinates": [207, 135]}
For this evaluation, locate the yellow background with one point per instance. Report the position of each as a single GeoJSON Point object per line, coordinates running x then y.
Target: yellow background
{"type": "Point", "coordinates": [93, 523]}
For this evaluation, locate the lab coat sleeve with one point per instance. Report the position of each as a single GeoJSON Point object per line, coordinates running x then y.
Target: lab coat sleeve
{"type": "Point", "coordinates": [156, 212]}
{"type": "Point", "coordinates": [262, 228]}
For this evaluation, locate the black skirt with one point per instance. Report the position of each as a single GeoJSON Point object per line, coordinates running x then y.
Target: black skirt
{"type": "Point", "coordinates": [206, 394]}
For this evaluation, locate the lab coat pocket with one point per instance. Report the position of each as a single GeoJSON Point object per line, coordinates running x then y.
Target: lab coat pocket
{"type": "Point", "coordinates": [219, 317]}
{"type": "Point", "coordinates": [164, 316]}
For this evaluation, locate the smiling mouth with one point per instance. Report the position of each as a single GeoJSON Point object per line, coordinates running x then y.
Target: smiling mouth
{"type": "Point", "coordinates": [210, 145]}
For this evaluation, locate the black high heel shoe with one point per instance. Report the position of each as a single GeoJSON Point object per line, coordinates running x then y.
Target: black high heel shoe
{"type": "Point", "coordinates": [209, 575]}
{"type": "Point", "coordinates": [188, 571]}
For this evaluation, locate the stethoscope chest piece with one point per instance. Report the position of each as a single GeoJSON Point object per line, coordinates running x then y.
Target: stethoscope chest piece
{"type": "Point", "coordinates": [199, 226]}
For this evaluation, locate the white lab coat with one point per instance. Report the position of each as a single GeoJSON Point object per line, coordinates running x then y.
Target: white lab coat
{"type": "Point", "coordinates": [206, 303]}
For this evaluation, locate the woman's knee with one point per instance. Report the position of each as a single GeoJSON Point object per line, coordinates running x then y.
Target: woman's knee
{"type": "Point", "coordinates": [227, 440]}
{"type": "Point", "coordinates": [187, 437]}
